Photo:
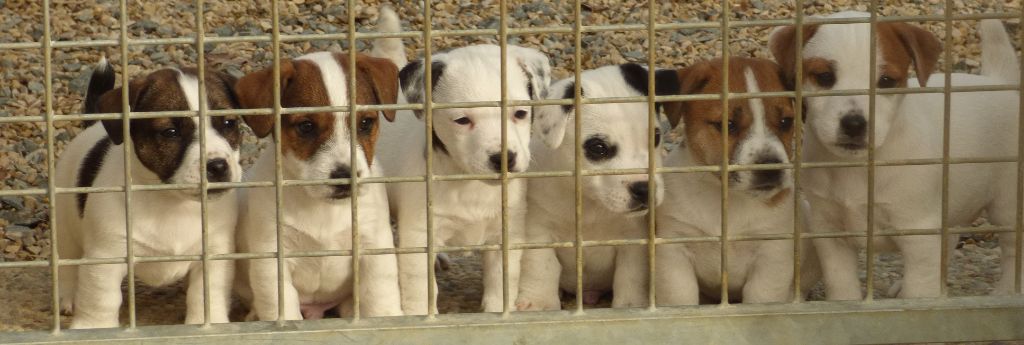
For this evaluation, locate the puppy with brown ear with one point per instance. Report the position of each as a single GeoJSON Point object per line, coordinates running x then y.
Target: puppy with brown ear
{"type": "Point", "coordinates": [164, 151]}
{"type": "Point", "coordinates": [759, 131]}
{"type": "Point", "coordinates": [317, 146]}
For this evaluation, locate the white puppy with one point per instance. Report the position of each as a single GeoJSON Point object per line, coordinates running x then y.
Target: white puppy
{"type": "Point", "coordinates": [760, 131]}
{"type": "Point", "coordinates": [166, 150]}
{"type": "Point", "coordinates": [614, 136]}
{"type": "Point", "coordinates": [983, 124]}
{"type": "Point", "coordinates": [465, 141]}
{"type": "Point", "coordinates": [316, 146]}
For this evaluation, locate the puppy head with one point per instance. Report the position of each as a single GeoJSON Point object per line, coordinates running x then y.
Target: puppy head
{"type": "Point", "coordinates": [168, 148]}
{"type": "Point", "coordinates": [760, 130]}
{"type": "Point", "coordinates": [835, 57]}
{"type": "Point", "coordinates": [614, 135]}
{"type": "Point", "coordinates": [472, 136]}
{"type": "Point", "coordinates": [316, 146]}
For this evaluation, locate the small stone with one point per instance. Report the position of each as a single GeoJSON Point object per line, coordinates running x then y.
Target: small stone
{"type": "Point", "coordinates": [84, 15]}
{"type": "Point", "coordinates": [17, 232]}
{"type": "Point", "coordinates": [36, 86]}
{"type": "Point", "coordinates": [14, 202]}
{"type": "Point", "coordinates": [224, 31]}
{"type": "Point", "coordinates": [35, 249]}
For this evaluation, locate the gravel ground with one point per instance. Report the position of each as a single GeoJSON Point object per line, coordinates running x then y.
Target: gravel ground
{"type": "Point", "coordinates": [23, 227]}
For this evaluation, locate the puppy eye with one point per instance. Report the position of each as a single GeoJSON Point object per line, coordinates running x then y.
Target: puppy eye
{"type": "Point", "coordinates": [520, 114]}
{"type": "Point", "coordinates": [170, 133]}
{"type": "Point", "coordinates": [825, 79]}
{"type": "Point", "coordinates": [657, 136]}
{"type": "Point", "coordinates": [785, 124]}
{"type": "Point", "coordinates": [229, 123]}
{"type": "Point", "coordinates": [597, 149]}
{"type": "Point", "coordinates": [366, 125]}
{"type": "Point", "coordinates": [306, 128]}
{"type": "Point", "coordinates": [886, 82]}
{"type": "Point", "coordinates": [463, 121]}
{"type": "Point", "coordinates": [733, 128]}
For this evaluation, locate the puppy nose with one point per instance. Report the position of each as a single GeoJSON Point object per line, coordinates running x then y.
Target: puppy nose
{"type": "Point", "coordinates": [217, 170]}
{"type": "Point", "coordinates": [344, 190]}
{"type": "Point", "coordinates": [639, 192]}
{"type": "Point", "coordinates": [496, 161]}
{"type": "Point", "coordinates": [853, 124]}
{"type": "Point", "coordinates": [767, 179]}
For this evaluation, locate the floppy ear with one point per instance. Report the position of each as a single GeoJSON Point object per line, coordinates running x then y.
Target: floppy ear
{"type": "Point", "coordinates": [110, 102]}
{"type": "Point", "coordinates": [550, 120]}
{"type": "Point", "coordinates": [537, 68]}
{"type": "Point", "coordinates": [691, 80]}
{"type": "Point", "coordinates": [228, 81]}
{"type": "Point", "coordinates": [782, 43]}
{"type": "Point", "coordinates": [384, 77]}
{"type": "Point", "coordinates": [411, 80]}
{"type": "Point", "coordinates": [922, 47]}
{"type": "Point", "coordinates": [256, 90]}
{"type": "Point", "coordinates": [666, 82]}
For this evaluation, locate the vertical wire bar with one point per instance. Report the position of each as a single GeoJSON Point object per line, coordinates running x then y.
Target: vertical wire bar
{"type": "Point", "coordinates": [873, 75]}
{"type": "Point", "coordinates": [204, 182]}
{"type": "Point", "coordinates": [946, 104]}
{"type": "Point", "coordinates": [51, 171]}
{"type": "Point", "coordinates": [275, 42]}
{"type": "Point", "coordinates": [577, 31]}
{"type": "Point", "coordinates": [353, 116]}
{"type": "Point", "coordinates": [652, 123]}
{"type": "Point", "coordinates": [428, 117]}
{"type": "Point", "coordinates": [503, 45]}
{"type": "Point", "coordinates": [798, 143]}
{"type": "Point", "coordinates": [724, 164]}
{"type": "Point", "coordinates": [1019, 245]}
{"type": "Point", "coordinates": [126, 133]}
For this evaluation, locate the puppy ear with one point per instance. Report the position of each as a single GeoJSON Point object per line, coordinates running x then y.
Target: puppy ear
{"type": "Point", "coordinates": [227, 81]}
{"type": "Point", "coordinates": [666, 82]}
{"type": "Point", "coordinates": [110, 102]}
{"type": "Point", "coordinates": [256, 90]}
{"type": "Point", "coordinates": [384, 77]}
{"type": "Point", "coordinates": [782, 43]}
{"type": "Point", "coordinates": [411, 79]}
{"type": "Point", "coordinates": [922, 47]}
{"type": "Point", "coordinates": [692, 80]}
{"type": "Point", "coordinates": [537, 68]}
{"type": "Point", "coordinates": [551, 120]}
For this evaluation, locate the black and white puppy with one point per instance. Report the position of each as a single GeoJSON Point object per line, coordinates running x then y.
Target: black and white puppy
{"type": "Point", "coordinates": [164, 151]}
{"type": "Point", "coordinates": [465, 141]}
{"type": "Point", "coordinates": [614, 136]}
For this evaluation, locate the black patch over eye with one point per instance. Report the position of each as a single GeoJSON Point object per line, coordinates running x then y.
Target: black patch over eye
{"type": "Point", "coordinates": [598, 149]}
{"type": "Point", "coordinates": [733, 128]}
{"type": "Point", "coordinates": [366, 125]}
{"type": "Point", "coordinates": [785, 124]}
{"type": "Point", "coordinates": [306, 128]}
{"type": "Point", "coordinates": [825, 79]}
{"type": "Point", "coordinates": [463, 121]}
{"type": "Point", "coordinates": [886, 82]}
{"type": "Point", "coordinates": [520, 114]}
{"type": "Point", "coordinates": [170, 133]}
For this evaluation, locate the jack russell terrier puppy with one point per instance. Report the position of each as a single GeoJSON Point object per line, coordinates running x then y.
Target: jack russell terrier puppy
{"type": "Point", "coordinates": [465, 141]}
{"type": "Point", "coordinates": [983, 124]}
{"type": "Point", "coordinates": [760, 131]}
{"type": "Point", "coordinates": [316, 146]}
{"type": "Point", "coordinates": [165, 151]}
{"type": "Point", "coordinates": [614, 136]}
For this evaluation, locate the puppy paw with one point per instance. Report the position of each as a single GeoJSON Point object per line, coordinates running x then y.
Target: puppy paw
{"type": "Point", "coordinates": [531, 304]}
{"type": "Point", "coordinates": [67, 306]}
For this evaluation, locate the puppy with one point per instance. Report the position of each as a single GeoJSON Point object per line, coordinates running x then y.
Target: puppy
{"type": "Point", "coordinates": [760, 131]}
{"type": "Point", "coordinates": [465, 141]}
{"type": "Point", "coordinates": [614, 136]}
{"type": "Point", "coordinates": [316, 146]}
{"type": "Point", "coordinates": [165, 150]}
{"type": "Point", "coordinates": [983, 124]}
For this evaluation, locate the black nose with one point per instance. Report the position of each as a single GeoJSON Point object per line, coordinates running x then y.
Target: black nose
{"type": "Point", "coordinates": [639, 192]}
{"type": "Point", "coordinates": [496, 161]}
{"type": "Point", "coordinates": [767, 179]}
{"type": "Point", "coordinates": [853, 124]}
{"type": "Point", "coordinates": [343, 190]}
{"type": "Point", "coordinates": [218, 170]}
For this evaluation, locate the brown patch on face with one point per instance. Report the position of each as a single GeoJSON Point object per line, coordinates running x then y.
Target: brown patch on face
{"type": "Point", "coordinates": [220, 94]}
{"type": "Point", "coordinates": [783, 46]}
{"type": "Point", "coordinates": [703, 118]}
{"type": "Point", "coordinates": [376, 83]}
{"type": "Point", "coordinates": [903, 44]}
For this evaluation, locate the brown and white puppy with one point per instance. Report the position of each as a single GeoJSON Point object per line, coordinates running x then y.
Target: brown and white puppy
{"type": "Point", "coordinates": [760, 131]}
{"type": "Point", "coordinates": [164, 151]}
{"type": "Point", "coordinates": [317, 146]}
{"type": "Point", "coordinates": [982, 124]}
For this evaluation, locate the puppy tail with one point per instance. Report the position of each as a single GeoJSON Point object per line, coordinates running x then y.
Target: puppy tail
{"type": "Point", "coordinates": [390, 48]}
{"type": "Point", "coordinates": [101, 81]}
{"type": "Point", "coordinates": [998, 58]}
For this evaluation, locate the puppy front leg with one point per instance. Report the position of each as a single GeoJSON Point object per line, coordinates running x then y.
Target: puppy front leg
{"type": "Point", "coordinates": [1007, 245]}
{"type": "Point", "coordinates": [676, 281]}
{"type": "Point", "coordinates": [540, 270]}
{"type": "Point", "coordinates": [221, 275]}
{"type": "Point", "coordinates": [412, 269]}
{"type": "Point", "coordinates": [921, 265]}
{"type": "Point", "coordinates": [629, 286]}
{"type": "Point", "coordinates": [263, 279]}
{"type": "Point", "coordinates": [379, 286]}
{"type": "Point", "coordinates": [98, 295]}
{"type": "Point", "coordinates": [494, 287]}
{"type": "Point", "coordinates": [771, 279]}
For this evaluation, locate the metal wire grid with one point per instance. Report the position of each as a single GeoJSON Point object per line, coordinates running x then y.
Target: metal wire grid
{"type": "Point", "coordinates": [276, 38]}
